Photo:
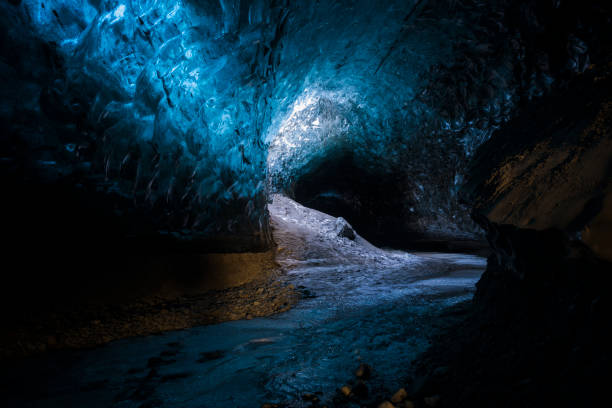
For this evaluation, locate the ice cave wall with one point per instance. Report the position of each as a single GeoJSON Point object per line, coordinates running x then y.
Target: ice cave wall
{"type": "Point", "coordinates": [178, 117]}
{"type": "Point", "coordinates": [159, 104]}
{"type": "Point", "coordinates": [365, 138]}
{"type": "Point", "coordinates": [393, 99]}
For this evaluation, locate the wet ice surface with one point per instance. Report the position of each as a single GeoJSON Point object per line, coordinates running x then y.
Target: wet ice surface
{"type": "Point", "coordinates": [380, 311]}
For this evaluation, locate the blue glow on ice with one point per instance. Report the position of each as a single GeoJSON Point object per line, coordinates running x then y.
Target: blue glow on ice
{"type": "Point", "coordinates": [207, 101]}
{"type": "Point", "coordinates": [119, 12]}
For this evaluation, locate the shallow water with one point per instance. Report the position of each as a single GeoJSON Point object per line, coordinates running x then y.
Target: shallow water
{"type": "Point", "coordinates": [382, 316]}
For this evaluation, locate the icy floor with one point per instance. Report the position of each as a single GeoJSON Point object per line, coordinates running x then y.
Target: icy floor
{"type": "Point", "coordinates": [367, 305]}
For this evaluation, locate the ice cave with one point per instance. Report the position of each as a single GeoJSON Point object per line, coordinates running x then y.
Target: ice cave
{"type": "Point", "coordinates": [306, 203]}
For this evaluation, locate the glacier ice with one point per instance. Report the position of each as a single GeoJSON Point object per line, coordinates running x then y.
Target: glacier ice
{"type": "Point", "coordinates": [173, 96]}
{"type": "Point", "coordinates": [198, 110]}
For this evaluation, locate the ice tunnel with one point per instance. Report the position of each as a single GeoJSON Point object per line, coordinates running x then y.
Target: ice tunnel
{"type": "Point", "coordinates": [192, 112]}
{"type": "Point", "coordinates": [156, 156]}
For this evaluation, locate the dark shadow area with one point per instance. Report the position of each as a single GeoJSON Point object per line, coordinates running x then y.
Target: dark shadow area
{"type": "Point", "coordinates": [538, 333]}
{"type": "Point", "coordinates": [65, 240]}
{"type": "Point", "coordinates": [537, 337]}
{"type": "Point", "coordinates": [372, 204]}
{"type": "Point", "coordinates": [83, 267]}
{"type": "Point", "coordinates": [378, 206]}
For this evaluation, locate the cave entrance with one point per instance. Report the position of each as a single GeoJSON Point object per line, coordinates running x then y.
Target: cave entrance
{"type": "Point", "coordinates": [349, 154]}
{"type": "Point", "coordinates": [372, 203]}
{"type": "Point", "coordinates": [379, 205]}
{"type": "Point", "coordinates": [321, 155]}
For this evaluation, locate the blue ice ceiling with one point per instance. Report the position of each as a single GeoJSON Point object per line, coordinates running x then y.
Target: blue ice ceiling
{"type": "Point", "coordinates": [175, 96]}
{"type": "Point", "coordinates": [197, 109]}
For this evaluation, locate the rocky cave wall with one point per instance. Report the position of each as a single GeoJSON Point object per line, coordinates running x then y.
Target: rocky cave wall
{"type": "Point", "coordinates": [537, 333]}
{"type": "Point", "coordinates": [538, 330]}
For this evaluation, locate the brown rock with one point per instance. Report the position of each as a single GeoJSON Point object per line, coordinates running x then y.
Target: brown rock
{"type": "Point", "coordinates": [399, 396]}
{"type": "Point", "coordinates": [386, 404]}
{"type": "Point", "coordinates": [346, 390]}
{"type": "Point", "coordinates": [310, 397]}
{"type": "Point", "coordinates": [364, 372]}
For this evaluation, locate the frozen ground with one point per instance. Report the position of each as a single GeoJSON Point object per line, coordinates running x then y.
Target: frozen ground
{"type": "Point", "coordinates": [309, 237]}
{"type": "Point", "coordinates": [361, 304]}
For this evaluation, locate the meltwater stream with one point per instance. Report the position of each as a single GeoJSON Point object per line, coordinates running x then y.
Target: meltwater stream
{"type": "Point", "coordinates": [382, 317]}
{"type": "Point", "coordinates": [381, 312]}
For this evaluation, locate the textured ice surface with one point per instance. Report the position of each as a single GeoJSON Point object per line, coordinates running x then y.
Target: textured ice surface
{"type": "Point", "coordinates": [313, 239]}
{"type": "Point", "coordinates": [363, 80]}
{"type": "Point", "coordinates": [186, 107]}
{"type": "Point", "coordinates": [172, 97]}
